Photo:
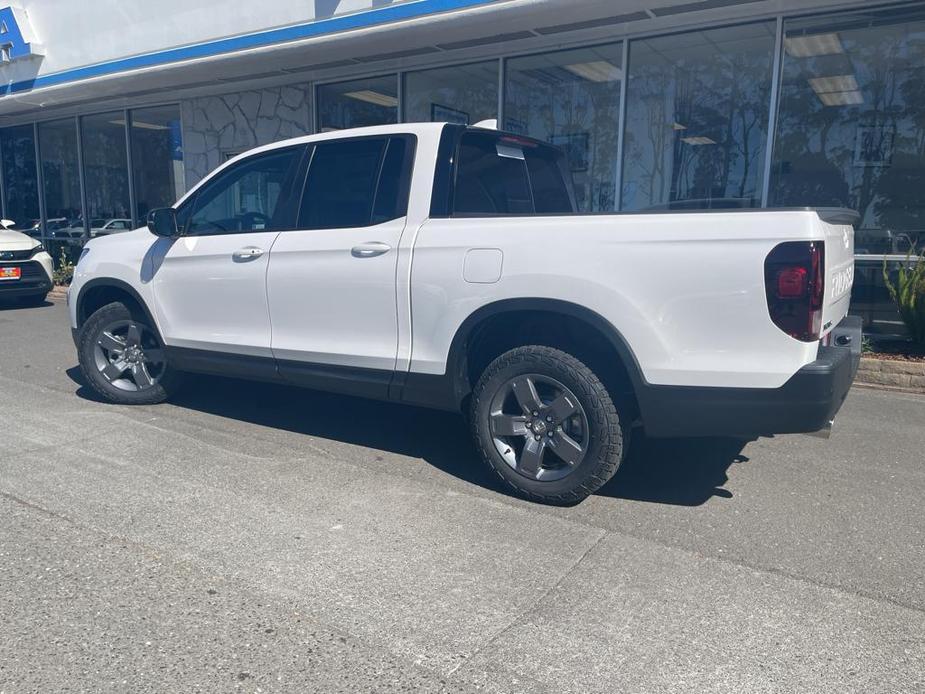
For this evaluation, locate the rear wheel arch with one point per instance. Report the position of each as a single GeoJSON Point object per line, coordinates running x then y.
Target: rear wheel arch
{"type": "Point", "coordinates": [497, 327]}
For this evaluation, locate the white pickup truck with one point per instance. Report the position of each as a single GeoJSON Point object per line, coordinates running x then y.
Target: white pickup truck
{"type": "Point", "coordinates": [445, 266]}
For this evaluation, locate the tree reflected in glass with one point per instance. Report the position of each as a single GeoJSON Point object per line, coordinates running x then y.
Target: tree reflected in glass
{"type": "Point", "coordinates": [697, 118]}
{"type": "Point", "coordinates": [852, 122]}
{"type": "Point", "coordinates": [572, 99]}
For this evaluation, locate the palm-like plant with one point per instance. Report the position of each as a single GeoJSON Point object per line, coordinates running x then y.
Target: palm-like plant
{"type": "Point", "coordinates": [909, 293]}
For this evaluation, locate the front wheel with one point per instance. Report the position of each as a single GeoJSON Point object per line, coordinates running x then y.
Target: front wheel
{"type": "Point", "coordinates": [123, 359]}
{"type": "Point", "coordinates": [546, 425]}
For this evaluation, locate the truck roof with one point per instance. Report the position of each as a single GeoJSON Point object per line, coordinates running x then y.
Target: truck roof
{"type": "Point", "coordinates": [393, 129]}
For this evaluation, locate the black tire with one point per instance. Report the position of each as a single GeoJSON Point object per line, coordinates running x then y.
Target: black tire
{"type": "Point", "coordinates": [33, 300]}
{"type": "Point", "coordinates": [605, 435]}
{"type": "Point", "coordinates": [165, 380]}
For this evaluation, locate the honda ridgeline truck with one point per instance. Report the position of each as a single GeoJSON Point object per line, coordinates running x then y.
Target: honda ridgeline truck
{"type": "Point", "coordinates": [445, 266]}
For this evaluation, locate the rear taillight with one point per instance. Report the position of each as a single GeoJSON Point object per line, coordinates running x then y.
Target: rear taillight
{"type": "Point", "coordinates": [792, 282]}
{"type": "Point", "coordinates": [794, 278]}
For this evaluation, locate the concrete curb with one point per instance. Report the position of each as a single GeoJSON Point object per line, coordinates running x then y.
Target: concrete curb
{"type": "Point", "coordinates": [904, 376]}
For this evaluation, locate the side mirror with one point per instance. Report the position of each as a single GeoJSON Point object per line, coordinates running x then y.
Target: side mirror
{"type": "Point", "coordinates": [163, 222]}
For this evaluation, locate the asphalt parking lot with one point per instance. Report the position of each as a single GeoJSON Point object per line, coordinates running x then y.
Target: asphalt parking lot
{"type": "Point", "coordinates": [256, 538]}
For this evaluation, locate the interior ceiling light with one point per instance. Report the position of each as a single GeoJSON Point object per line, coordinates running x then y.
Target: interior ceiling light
{"type": "Point", "coordinates": [597, 71]}
{"type": "Point", "coordinates": [838, 90]}
{"type": "Point", "coordinates": [837, 83]}
{"type": "Point", "coordinates": [842, 98]}
{"type": "Point", "coordinates": [372, 97]}
{"type": "Point", "coordinates": [698, 141]}
{"type": "Point", "coordinates": [813, 45]}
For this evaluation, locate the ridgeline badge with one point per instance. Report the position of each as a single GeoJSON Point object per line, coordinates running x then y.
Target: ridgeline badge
{"type": "Point", "coordinates": [17, 41]}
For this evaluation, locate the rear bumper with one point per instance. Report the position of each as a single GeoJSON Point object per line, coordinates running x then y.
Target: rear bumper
{"type": "Point", "coordinates": [807, 403]}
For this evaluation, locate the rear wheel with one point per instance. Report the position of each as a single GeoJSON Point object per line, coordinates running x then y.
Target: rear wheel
{"type": "Point", "coordinates": [546, 425]}
{"type": "Point", "coordinates": [123, 359]}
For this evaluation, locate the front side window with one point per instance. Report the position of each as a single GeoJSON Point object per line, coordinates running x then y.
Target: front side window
{"type": "Point", "coordinates": [253, 195]}
{"type": "Point", "coordinates": [357, 183]}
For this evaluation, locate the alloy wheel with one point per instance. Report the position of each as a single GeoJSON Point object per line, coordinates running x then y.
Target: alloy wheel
{"type": "Point", "coordinates": [129, 355]}
{"type": "Point", "coordinates": [539, 427]}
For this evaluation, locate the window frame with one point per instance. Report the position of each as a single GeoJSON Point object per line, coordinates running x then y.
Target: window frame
{"type": "Point", "coordinates": [404, 188]}
{"type": "Point", "coordinates": [296, 174]}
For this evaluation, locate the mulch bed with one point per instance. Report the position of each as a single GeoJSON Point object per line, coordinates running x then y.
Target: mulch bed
{"type": "Point", "coordinates": [897, 350]}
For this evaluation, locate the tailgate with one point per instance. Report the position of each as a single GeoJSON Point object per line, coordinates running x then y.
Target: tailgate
{"type": "Point", "coordinates": [838, 227]}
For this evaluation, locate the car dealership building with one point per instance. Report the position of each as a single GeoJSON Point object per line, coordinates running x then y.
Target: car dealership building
{"type": "Point", "coordinates": [112, 108]}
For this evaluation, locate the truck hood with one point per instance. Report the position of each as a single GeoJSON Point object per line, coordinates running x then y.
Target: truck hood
{"type": "Point", "coordinates": [15, 241]}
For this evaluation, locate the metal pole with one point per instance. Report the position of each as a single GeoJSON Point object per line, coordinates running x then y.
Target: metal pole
{"type": "Point", "coordinates": [312, 109]}
{"type": "Point", "coordinates": [502, 67]}
{"type": "Point", "coordinates": [2, 182]}
{"type": "Point", "coordinates": [316, 124]}
{"type": "Point", "coordinates": [129, 163]}
{"type": "Point", "coordinates": [40, 181]}
{"type": "Point", "coordinates": [81, 176]}
{"type": "Point", "coordinates": [775, 106]}
{"type": "Point", "coordinates": [621, 127]}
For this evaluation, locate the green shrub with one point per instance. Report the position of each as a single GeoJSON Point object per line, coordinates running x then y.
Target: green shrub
{"type": "Point", "coordinates": [64, 272]}
{"type": "Point", "coordinates": [909, 293]}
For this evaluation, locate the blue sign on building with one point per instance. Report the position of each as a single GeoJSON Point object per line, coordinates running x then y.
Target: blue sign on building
{"type": "Point", "coordinates": [16, 35]}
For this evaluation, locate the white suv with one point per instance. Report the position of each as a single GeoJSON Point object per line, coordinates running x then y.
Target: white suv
{"type": "Point", "coordinates": [445, 266]}
{"type": "Point", "coordinates": [25, 267]}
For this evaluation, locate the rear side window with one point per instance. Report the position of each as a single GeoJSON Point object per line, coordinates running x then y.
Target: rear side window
{"type": "Point", "coordinates": [394, 181]}
{"type": "Point", "coordinates": [505, 176]}
{"type": "Point", "coordinates": [491, 179]}
{"type": "Point", "coordinates": [548, 177]}
{"type": "Point", "coordinates": [356, 183]}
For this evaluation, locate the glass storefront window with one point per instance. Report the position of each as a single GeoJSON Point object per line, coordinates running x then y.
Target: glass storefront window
{"type": "Point", "coordinates": [697, 119]}
{"type": "Point", "coordinates": [20, 178]}
{"type": "Point", "coordinates": [572, 99]}
{"type": "Point", "coordinates": [464, 94]}
{"type": "Point", "coordinates": [358, 103]}
{"type": "Point", "coordinates": [105, 172]}
{"type": "Point", "coordinates": [851, 127]}
{"type": "Point", "coordinates": [64, 225]}
{"type": "Point", "coordinates": [157, 158]}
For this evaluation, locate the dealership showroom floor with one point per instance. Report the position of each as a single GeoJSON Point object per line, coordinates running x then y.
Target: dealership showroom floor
{"type": "Point", "coordinates": [256, 538]}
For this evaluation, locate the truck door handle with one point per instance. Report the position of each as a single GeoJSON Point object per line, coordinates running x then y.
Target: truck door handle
{"type": "Point", "coordinates": [249, 253]}
{"type": "Point", "coordinates": [370, 249]}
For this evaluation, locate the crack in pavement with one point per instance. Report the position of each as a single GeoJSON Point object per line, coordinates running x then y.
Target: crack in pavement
{"type": "Point", "coordinates": [520, 618]}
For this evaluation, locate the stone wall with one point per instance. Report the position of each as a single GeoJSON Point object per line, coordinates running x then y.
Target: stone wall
{"type": "Point", "coordinates": [215, 127]}
{"type": "Point", "coordinates": [905, 375]}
